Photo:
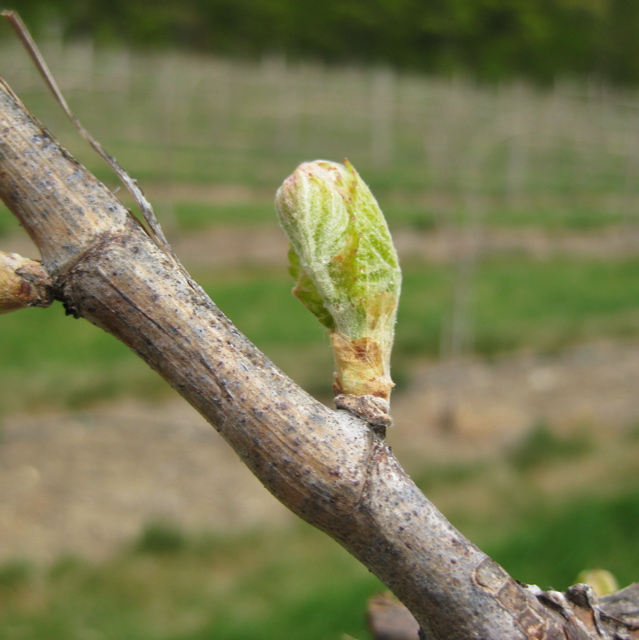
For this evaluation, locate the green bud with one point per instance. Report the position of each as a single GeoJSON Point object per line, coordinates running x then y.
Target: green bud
{"type": "Point", "coordinates": [345, 268]}
{"type": "Point", "coordinates": [602, 582]}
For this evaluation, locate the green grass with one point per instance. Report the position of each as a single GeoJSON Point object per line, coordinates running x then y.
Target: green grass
{"type": "Point", "coordinates": [542, 446]}
{"type": "Point", "coordinates": [8, 224]}
{"type": "Point", "coordinates": [48, 359]}
{"type": "Point", "coordinates": [566, 218]}
{"type": "Point", "coordinates": [194, 216]}
{"type": "Point", "coordinates": [520, 303]}
{"type": "Point", "coordinates": [557, 218]}
{"type": "Point", "coordinates": [550, 305]}
{"type": "Point", "coordinates": [290, 584]}
{"type": "Point", "coordinates": [586, 533]}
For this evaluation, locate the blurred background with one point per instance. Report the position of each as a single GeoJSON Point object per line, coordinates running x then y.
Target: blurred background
{"type": "Point", "coordinates": [502, 142]}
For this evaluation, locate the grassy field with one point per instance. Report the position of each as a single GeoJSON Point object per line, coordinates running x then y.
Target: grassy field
{"type": "Point", "coordinates": [443, 156]}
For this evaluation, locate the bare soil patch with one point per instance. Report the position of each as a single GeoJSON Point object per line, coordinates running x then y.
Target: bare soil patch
{"type": "Point", "coordinates": [225, 247]}
{"type": "Point", "coordinates": [228, 247]}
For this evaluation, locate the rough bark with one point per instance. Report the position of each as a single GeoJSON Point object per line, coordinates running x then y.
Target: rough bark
{"type": "Point", "coordinates": [23, 283]}
{"type": "Point", "coordinates": [327, 466]}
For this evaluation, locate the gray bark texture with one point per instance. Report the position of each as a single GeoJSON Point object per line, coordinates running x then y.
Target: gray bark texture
{"type": "Point", "coordinates": [327, 466]}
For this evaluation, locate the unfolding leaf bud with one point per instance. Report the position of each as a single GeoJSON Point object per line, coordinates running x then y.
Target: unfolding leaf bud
{"type": "Point", "coordinates": [345, 268]}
